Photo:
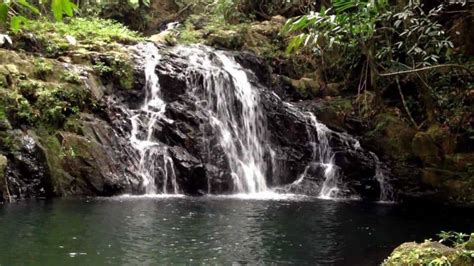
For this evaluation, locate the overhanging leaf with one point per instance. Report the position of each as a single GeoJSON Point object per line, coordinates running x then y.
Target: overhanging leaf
{"type": "Point", "coordinates": [3, 12]}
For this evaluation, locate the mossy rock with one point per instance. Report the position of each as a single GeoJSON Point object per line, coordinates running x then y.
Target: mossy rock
{"type": "Point", "coordinates": [229, 39]}
{"type": "Point", "coordinates": [443, 138]}
{"type": "Point", "coordinates": [428, 253]}
{"type": "Point", "coordinates": [93, 34]}
{"type": "Point", "coordinates": [115, 68]}
{"type": "Point", "coordinates": [3, 185]}
{"type": "Point", "coordinates": [394, 135]}
{"type": "Point", "coordinates": [333, 111]}
{"type": "Point", "coordinates": [469, 245]}
{"type": "Point", "coordinates": [304, 87]}
{"type": "Point", "coordinates": [425, 148]}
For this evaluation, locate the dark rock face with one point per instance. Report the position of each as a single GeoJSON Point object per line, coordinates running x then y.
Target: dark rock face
{"type": "Point", "coordinates": [201, 164]}
{"type": "Point", "coordinates": [27, 174]}
{"type": "Point", "coordinates": [97, 158]}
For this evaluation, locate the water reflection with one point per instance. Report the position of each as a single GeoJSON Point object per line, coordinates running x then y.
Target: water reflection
{"type": "Point", "coordinates": [137, 231]}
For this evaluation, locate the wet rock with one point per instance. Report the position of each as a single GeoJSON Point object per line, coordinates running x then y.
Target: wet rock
{"type": "Point", "coordinates": [358, 173]}
{"type": "Point", "coordinates": [27, 174]}
{"type": "Point", "coordinates": [197, 154]}
{"type": "Point", "coordinates": [190, 172]}
{"type": "Point", "coordinates": [4, 193]}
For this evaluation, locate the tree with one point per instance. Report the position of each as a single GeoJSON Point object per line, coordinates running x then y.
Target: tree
{"type": "Point", "coordinates": [394, 40]}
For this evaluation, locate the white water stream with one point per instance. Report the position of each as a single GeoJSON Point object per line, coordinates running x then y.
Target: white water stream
{"type": "Point", "coordinates": [154, 158]}
{"type": "Point", "coordinates": [223, 91]}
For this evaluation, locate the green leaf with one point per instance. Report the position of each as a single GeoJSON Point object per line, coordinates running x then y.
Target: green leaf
{"type": "Point", "coordinates": [16, 22]}
{"type": "Point", "coordinates": [29, 6]}
{"type": "Point", "coordinates": [61, 8]}
{"type": "Point", "coordinates": [3, 12]}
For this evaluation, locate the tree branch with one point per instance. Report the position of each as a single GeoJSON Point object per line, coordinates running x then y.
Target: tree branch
{"type": "Point", "coordinates": [426, 68]}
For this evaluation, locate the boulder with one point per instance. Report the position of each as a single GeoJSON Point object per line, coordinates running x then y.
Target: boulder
{"type": "Point", "coordinates": [27, 174]}
{"type": "Point", "coordinates": [428, 253]}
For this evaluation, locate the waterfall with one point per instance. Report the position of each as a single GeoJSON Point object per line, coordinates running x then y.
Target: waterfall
{"type": "Point", "coordinates": [154, 159]}
{"type": "Point", "coordinates": [329, 187]}
{"type": "Point", "coordinates": [323, 156]}
{"type": "Point", "coordinates": [386, 190]}
{"type": "Point", "coordinates": [223, 91]}
{"type": "Point", "coordinates": [231, 129]}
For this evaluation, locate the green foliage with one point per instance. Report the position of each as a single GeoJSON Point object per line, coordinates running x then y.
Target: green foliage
{"type": "Point", "coordinates": [71, 77]}
{"type": "Point", "coordinates": [17, 13]}
{"type": "Point", "coordinates": [61, 8]}
{"type": "Point", "coordinates": [85, 30]}
{"type": "Point", "coordinates": [453, 238]}
{"type": "Point", "coordinates": [31, 101]}
{"type": "Point", "coordinates": [347, 23]}
{"type": "Point", "coordinates": [116, 69]}
{"type": "Point", "coordinates": [42, 68]}
{"type": "Point", "coordinates": [379, 40]}
{"type": "Point", "coordinates": [417, 39]}
{"type": "Point", "coordinates": [90, 33]}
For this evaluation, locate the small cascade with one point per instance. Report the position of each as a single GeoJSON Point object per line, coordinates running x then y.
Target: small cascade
{"type": "Point", "coordinates": [223, 91]}
{"type": "Point", "coordinates": [154, 159]}
{"type": "Point", "coordinates": [323, 157]}
{"type": "Point", "coordinates": [329, 188]}
{"type": "Point", "coordinates": [386, 190]}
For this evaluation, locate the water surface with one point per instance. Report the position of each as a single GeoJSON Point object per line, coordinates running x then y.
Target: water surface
{"type": "Point", "coordinates": [214, 230]}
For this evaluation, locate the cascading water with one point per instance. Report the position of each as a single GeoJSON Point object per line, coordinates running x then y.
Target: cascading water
{"type": "Point", "coordinates": [323, 156]}
{"type": "Point", "coordinates": [229, 108]}
{"type": "Point", "coordinates": [154, 159]}
{"type": "Point", "coordinates": [386, 190]}
{"type": "Point", "coordinates": [326, 159]}
{"type": "Point", "coordinates": [223, 91]}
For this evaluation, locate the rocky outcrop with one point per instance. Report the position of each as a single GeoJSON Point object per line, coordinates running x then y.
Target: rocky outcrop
{"type": "Point", "coordinates": [431, 253]}
{"type": "Point", "coordinates": [202, 165]}
{"type": "Point", "coordinates": [90, 152]}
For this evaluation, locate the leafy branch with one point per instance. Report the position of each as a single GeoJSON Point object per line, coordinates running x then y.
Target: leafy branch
{"type": "Point", "coordinates": [15, 13]}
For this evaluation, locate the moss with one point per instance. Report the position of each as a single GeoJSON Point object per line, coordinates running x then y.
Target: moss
{"type": "Point", "coordinates": [93, 33]}
{"type": "Point", "coordinates": [58, 102]}
{"type": "Point", "coordinates": [425, 148]}
{"type": "Point", "coordinates": [48, 104]}
{"type": "Point", "coordinates": [10, 141]}
{"type": "Point", "coordinates": [429, 253]}
{"type": "Point", "coordinates": [333, 111]}
{"type": "Point", "coordinates": [469, 245]}
{"type": "Point", "coordinates": [3, 185]}
{"type": "Point", "coordinates": [189, 35]}
{"type": "Point", "coordinates": [71, 77]}
{"type": "Point", "coordinates": [75, 126]}
{"type": "Point", "coordinates": [17, 108]}
{"type": "Point", "coordinates": [305, 87]}
{"type": "Point", "coordinates": [393, 134]}
{"type": "Point", "coordinates": [43, 68]}
{"type": "Point", "coordinates": [54, 158]}
{"type": "Point", "coordinates": [115, 68]}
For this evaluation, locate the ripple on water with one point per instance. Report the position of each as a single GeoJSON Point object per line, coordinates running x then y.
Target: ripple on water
{"type": "Point", "coordinates": [266, 195]}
